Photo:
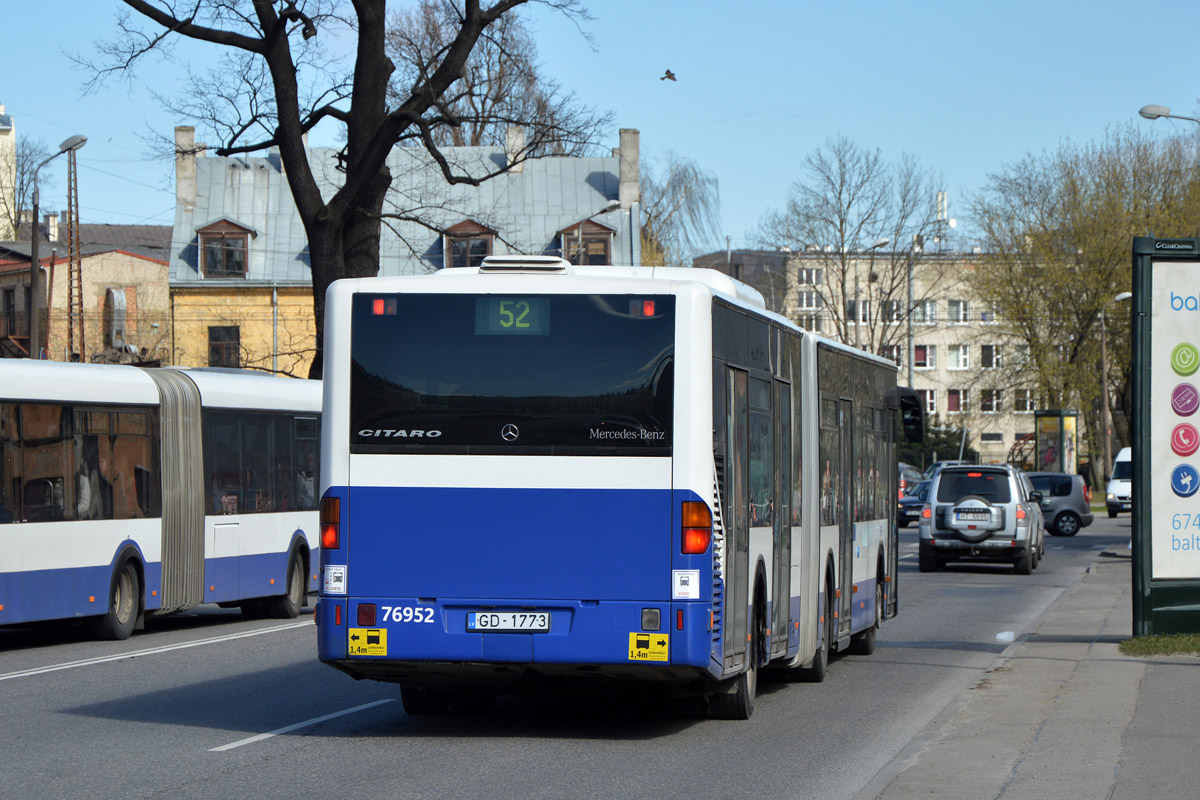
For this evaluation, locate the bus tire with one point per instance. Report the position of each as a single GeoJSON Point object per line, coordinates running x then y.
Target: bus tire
{"type": "Point", "coordinates": [738, 701]}
{"type": "Point", "coordinates": [863, 642]}
{"type": "Point", "coordinates": [124, 602]}
{"type": "Point", "coordinates": [287, 605]}
{"type": "Point", "coordinates": [421, 702]}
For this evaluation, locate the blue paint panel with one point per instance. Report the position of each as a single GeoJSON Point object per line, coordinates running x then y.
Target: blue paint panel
{"type": "Point", "coordinates": [239, 577]}
{"type": "Point", "coordinates": [563, 544]}
{"type": "Point", "coordinates": [48, 594]}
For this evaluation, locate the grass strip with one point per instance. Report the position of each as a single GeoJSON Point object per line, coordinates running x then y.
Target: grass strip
{"type": "Point", "coordinates": [1186, 644]}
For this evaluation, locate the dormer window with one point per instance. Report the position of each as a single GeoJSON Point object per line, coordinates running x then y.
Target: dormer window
{"type": "Point", "coordinates": [224, 246]}
{"type": "Point", "coordinates": [587, 243]}
{"type": "Point", "coordinates": [467, 243]}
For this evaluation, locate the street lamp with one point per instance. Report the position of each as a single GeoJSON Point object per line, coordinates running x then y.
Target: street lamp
{"type": "Point", "coordinates": [918, 241]}
{"type": "Point", "coordinates": [71, 143]}
{"type": "Point", "coordinates": [1105, 420]}
{"type": "Point", "coordinates": [882, 241]}
{"type": "Point", "coordinates": [1154, 112]}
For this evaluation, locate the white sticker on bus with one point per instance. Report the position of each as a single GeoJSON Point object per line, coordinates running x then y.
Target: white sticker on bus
{"type": "Point", "coordinates": [335, 579]}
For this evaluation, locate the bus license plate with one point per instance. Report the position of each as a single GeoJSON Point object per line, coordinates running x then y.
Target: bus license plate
{"type": "Point", "coordinates": [509, 621]}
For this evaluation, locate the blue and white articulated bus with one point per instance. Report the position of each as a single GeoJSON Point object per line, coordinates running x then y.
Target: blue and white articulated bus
{"type": "Point", "coordinates": [535, 472]}
{"type": "Point", "coordinates": [128, 491]}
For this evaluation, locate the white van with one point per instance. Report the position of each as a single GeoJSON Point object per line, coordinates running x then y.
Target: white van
{"type": "Point", "coordinates": [1119, 495]}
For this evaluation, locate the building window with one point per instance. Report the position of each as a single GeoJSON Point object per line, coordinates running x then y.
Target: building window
{"type": "Point", "coordinates": [864, 313]}
{"type": "Point", "coordinates": [893, 352]}
{"type": "Point", "coordinates": [989, 357]}
{"type": "Point", "coordinates": [992, 438]}
{"type": "Point", "coordinates": [925, 312]}
{"type": "Point", "coordinates": [1020, 356]}
{"type": "Point", "coordinates": [587, 243]}
{"type": "Point", "coordinates": [988, 316]}
{"type": "Point", "coordinates": [989, 400]}
{"type": "Point", "coordinates": [224, 346]}
{"type": "Point", "coordinates": [924, 356]}
{"type": "Point", "coordinates": [810, 322]}
{"type": "Point", "coordinates": [467, 243]}
{"type": "Point", "coordinates": [891, 311]}
{"type": "Point", "coordinates": [808, 300]}
{"type": "Point", "coordinates": [224, 254]}
{"type": "Point", "coordinates": [809, 275]}
{"type": "Point", "coordinates": [960, 357]}
{"type": "Point", "coordinates": [956, 401]}
{"type": "Point", "coordinates": [928, 400]}
{"type": "Point", "coordinates": [1023, 402]}
{"type": "Point", "coordinates": [958, 312]}
{"type": "Point", "coordinates": [467, 251]}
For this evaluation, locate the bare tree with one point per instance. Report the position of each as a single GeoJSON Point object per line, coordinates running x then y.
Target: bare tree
{"type": "Point", "coordinates": [1057, 230]}
{"type": "Point", "coordinates": [681, 211]}
{"type": "Point", "coordinates": [275, 81]}
{"type": "Point", "coordinates": [501, 85]}
{"type": "Point", "coordinates": [17, 196]}
{"type": "Point", "coordinates": [848, 200]}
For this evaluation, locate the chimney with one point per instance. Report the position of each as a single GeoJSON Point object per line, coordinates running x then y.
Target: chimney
{"type": "Point", "coordinates": [185, 166]}
{"type": "Point", "coordinates": [629, 190]}
{"type": "Point", "coordinates": [514, 143]}
{"type": "Point", "coordinates": [51, 222]}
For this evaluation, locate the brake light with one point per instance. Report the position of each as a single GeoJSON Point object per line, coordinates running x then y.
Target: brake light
{"type": "Point", "coordinates": [974, 474]}
{"type": "Point", "coordinates": [1087, 494]}
{"type": "Point", "coordinates": [927, 513]}
{"type": "Point", "coordinates": [1020, 512]}
{"type": "Point", "coordinates": [696, 528]}
{"type": "Point", "coordinates": [331, 513]}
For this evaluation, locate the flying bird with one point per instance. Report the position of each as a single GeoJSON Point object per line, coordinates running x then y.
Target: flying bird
{"type": "Point", "coordinates": [668, 76]}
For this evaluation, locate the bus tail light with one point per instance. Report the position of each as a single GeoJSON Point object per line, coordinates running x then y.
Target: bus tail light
{"type": "Point", "coordinates": [697, 528]}
{"type": "Point", "coordinates": [331, 512]}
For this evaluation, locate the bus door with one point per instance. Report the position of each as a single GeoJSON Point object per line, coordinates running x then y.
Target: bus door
{"type": "Point", "coordinates": [737, 511]}
{"type": "Point", "coordinates": [781, 589]}
{"type": "Point", "coordinates": [846, 520]}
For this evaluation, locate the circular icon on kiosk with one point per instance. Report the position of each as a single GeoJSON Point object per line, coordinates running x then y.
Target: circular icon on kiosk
{"type": "Point", "coordinates": [1185, 358]}
{"type": "Point", "coordinates": [1185, 480]}
{"type": "Point", "coordinates": [1185, 399]}
{"type": "Point", "coordinates": [1185, 439]}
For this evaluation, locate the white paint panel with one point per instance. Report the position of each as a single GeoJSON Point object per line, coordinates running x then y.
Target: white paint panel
{"type": "Point", "coordinates": [257, 534]}
{"type": "Point", "coordinates": [256, 392]}
{"type": "Point", "coordinates": [29, 546]}
{"type": "Point", "coordinates": [55, 381]}
{"type": "Point", "coordinates": [510, 472]}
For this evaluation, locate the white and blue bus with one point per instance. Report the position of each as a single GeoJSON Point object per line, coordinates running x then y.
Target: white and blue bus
{"type": "Point", "coordinates": [128, 491]}
{"type": "Point", "coordinates": [537, 472]}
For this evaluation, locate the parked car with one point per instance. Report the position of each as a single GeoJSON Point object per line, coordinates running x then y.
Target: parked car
{"type": "Point", "coordinates": [1119, 494]}
{"type": "Point", "coordinates": [1066, 502]}
{"type": "Point", "coordinates": [912, 503]}
{"type": "Point", "coordinates": [908, 475]}
{"type": "Point", "coordinates": [981, 512]}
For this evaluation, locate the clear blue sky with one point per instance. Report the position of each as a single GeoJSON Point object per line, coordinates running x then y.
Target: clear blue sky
{"type": "Point", "coordinates": [965, 87]}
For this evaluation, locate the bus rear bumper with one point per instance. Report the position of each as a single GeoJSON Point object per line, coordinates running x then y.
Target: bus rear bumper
{"type": "Point", "coordinates": [411, 639]}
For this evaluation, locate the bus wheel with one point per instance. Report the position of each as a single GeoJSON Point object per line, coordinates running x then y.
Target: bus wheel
{"type": "Point", "coordinates": [863, 643]}
{"type": "Point", "coordinates": [738, 701]}
{"type": "Point", "coordinates": [287, 605]}
{"type": "Point", "coordinates": [419, 701]}
{"type": "Point", "coordinates": [816, 672]}
{"type": "Point", "coordinates": [124, 597]}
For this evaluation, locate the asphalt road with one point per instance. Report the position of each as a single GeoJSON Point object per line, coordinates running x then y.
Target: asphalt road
{"type": "Point", "coordinates": [208, 705]}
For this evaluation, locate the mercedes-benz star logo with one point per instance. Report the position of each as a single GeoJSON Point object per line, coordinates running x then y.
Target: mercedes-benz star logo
{"type": "Point", "coordinates": [509, 433]}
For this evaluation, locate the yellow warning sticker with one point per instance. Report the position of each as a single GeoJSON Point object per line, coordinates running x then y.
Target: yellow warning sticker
{"type": "Point", "coordinates": [649, 646]}
{"type": "Point", "coordinates": [368, 642]}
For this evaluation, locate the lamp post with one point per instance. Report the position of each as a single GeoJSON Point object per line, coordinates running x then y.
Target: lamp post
{"type": "Point", "coordinates": [1155, 112]}
{"type": "Point", "coordinates": [71, 143]}
{"type": "Point", "coordinates": [882, 241]}
{"type": "Point", "coordinates": [1105, 418]}
{"type": "Point", "coordinates": [918, 242]}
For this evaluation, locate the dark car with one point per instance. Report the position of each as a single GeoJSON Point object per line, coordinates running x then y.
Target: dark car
{"type": "Point", "coordinates": [907, 475]}
{"type": "Point", "coordinates": [912, 503]}
{"type": "Point", "coordinates": [1066, 501]}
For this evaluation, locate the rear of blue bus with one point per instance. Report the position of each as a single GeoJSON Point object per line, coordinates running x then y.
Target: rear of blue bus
{"type": "Point", "coordinates": [505, 504]}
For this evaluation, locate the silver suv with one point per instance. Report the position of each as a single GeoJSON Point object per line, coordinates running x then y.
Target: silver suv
{"type": "Point", "coordinates": [981, 512]}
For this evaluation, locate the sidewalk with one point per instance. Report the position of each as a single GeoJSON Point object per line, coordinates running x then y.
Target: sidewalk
{"type": "Point", "coordinates": [1063, 714]}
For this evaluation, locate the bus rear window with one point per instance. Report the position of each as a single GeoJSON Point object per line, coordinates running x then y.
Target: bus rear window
{"type": "Point", "coordinates": [529, 374]}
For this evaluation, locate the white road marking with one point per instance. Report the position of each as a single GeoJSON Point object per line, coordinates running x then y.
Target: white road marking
{"type": "Point", "coordinates": [297, 726]}
{"type": "Point", "coordinates": [87, 662]}
{"type": "Point", "coordinates": [1006, 636]}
